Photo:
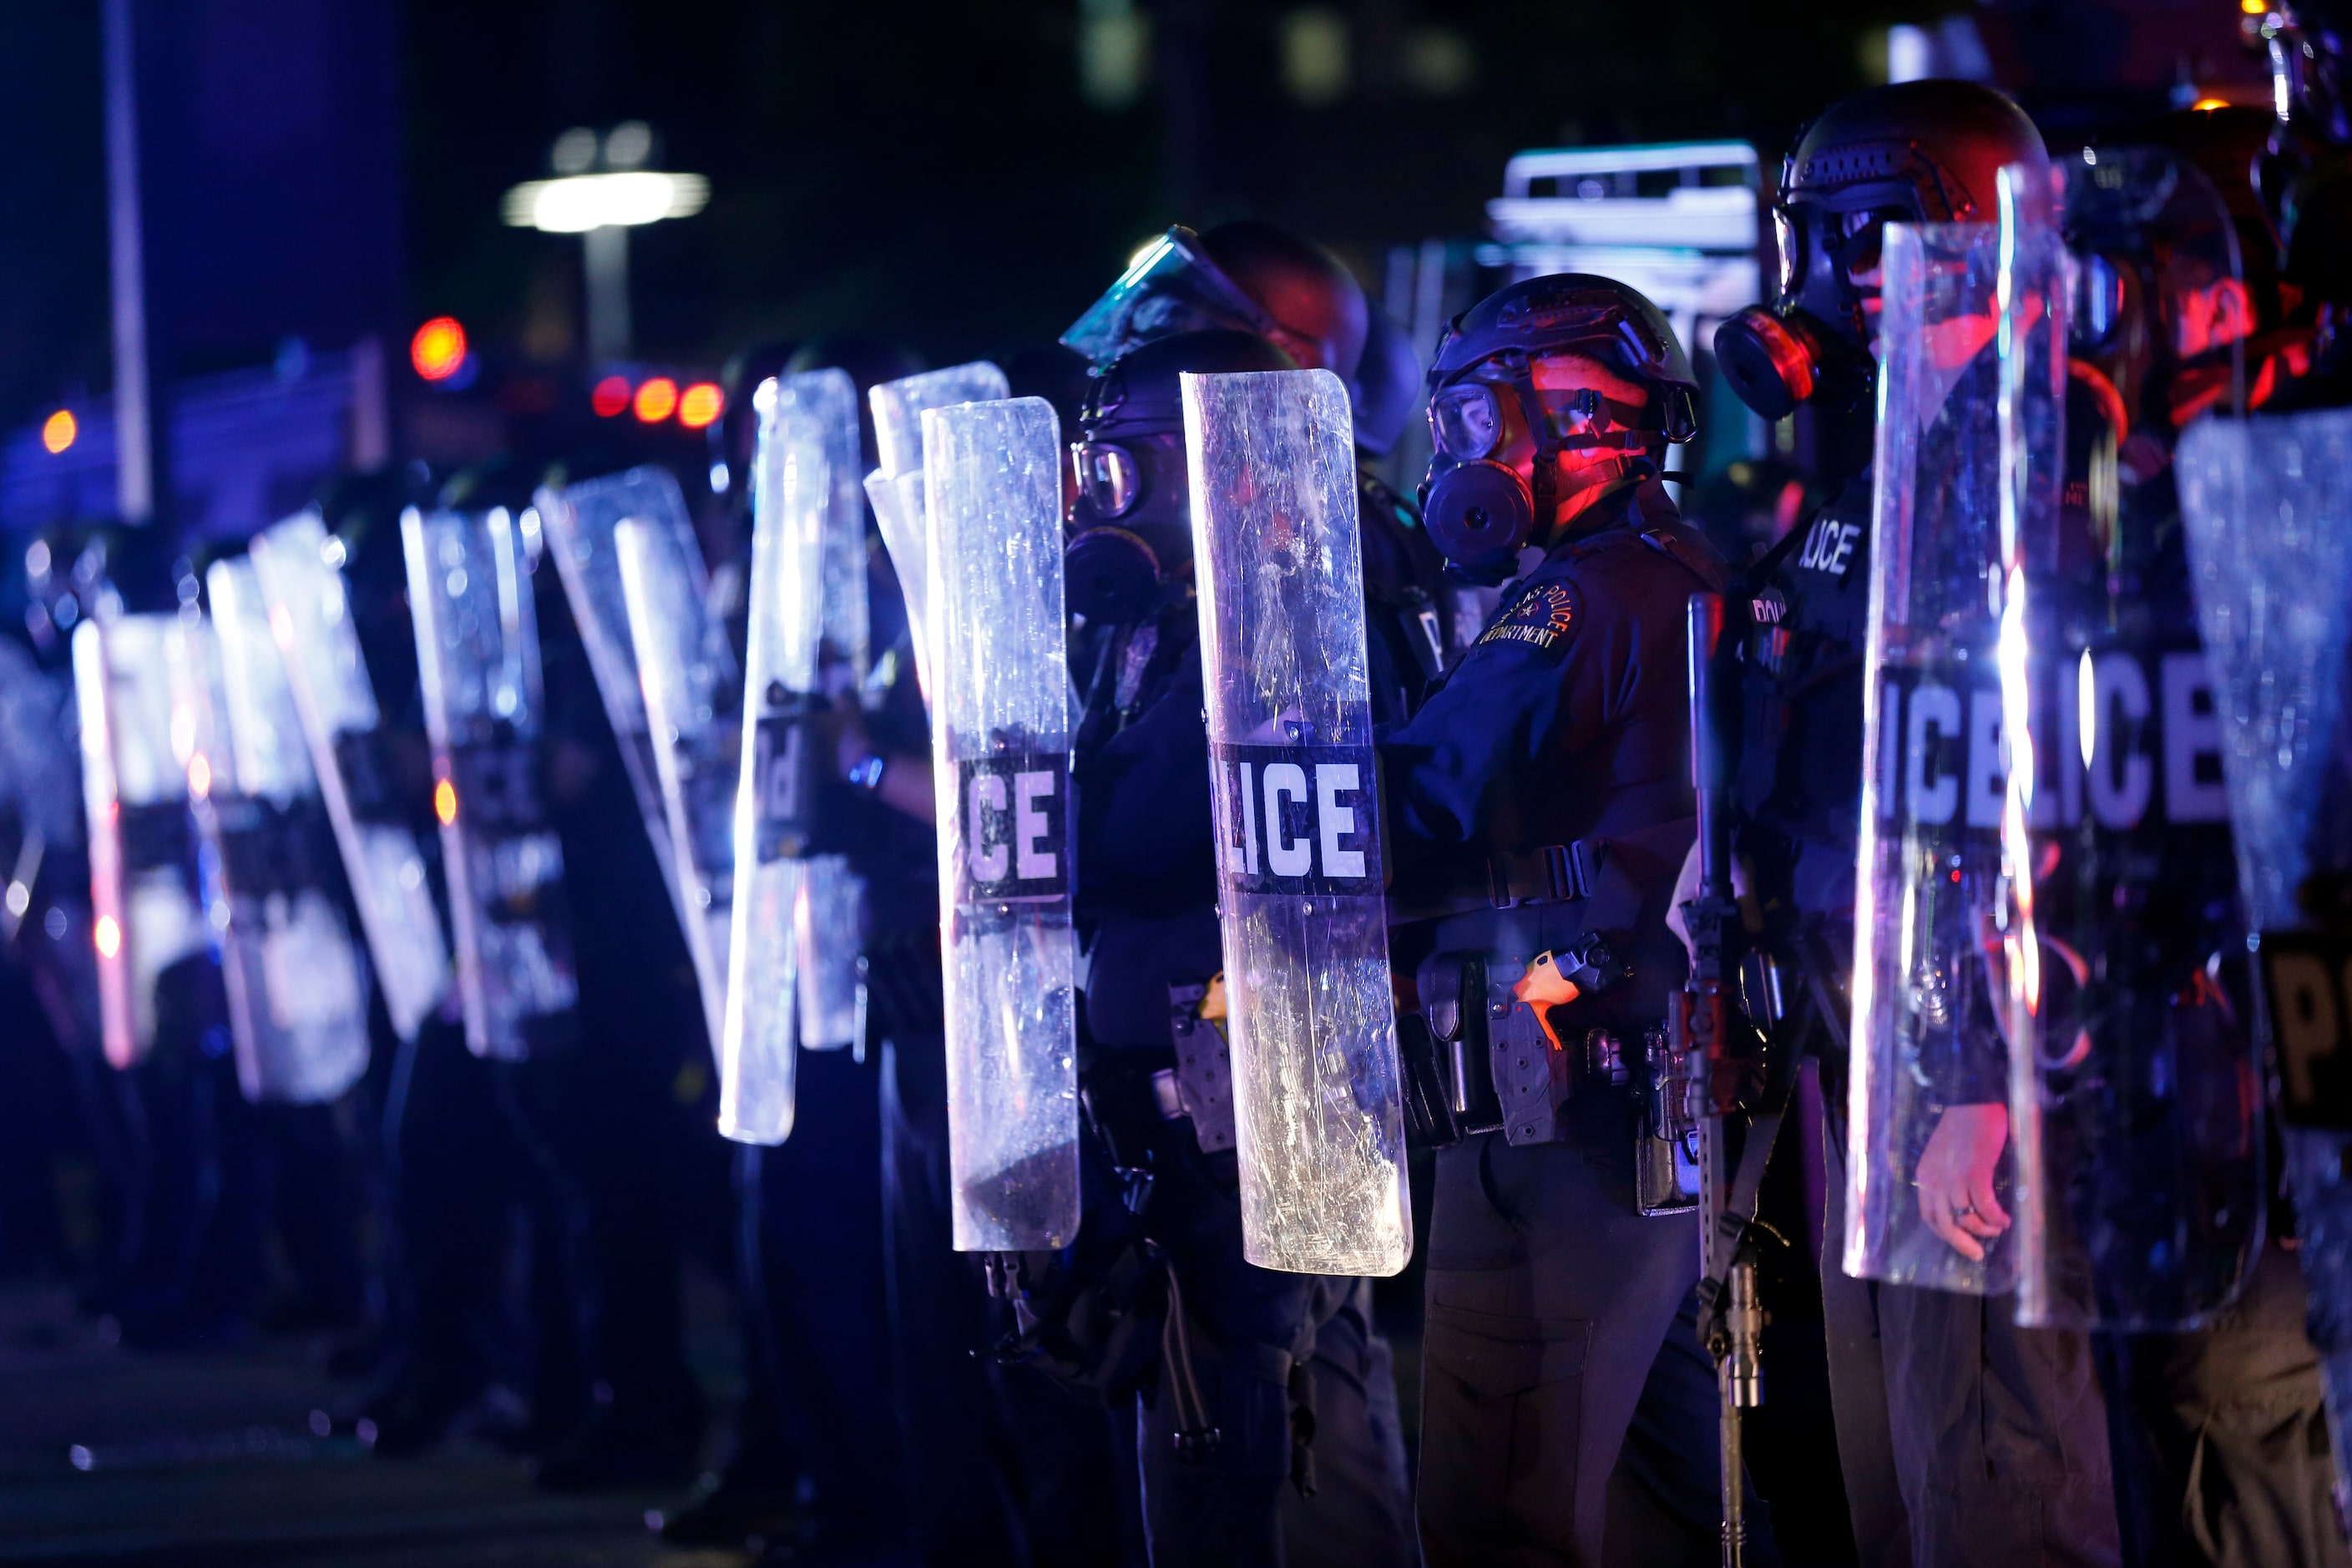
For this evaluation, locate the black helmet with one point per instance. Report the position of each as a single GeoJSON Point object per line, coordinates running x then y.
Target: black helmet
{"type": "Point", "coordinates": [1132, 519]}
{"type": "Point", "coordinates": [1315, 308]}
{"type": "Point", "coordinates": [1480, 511]}
{"type": "Point", "coordinates": [1934, 149]}
{"type": "Point", "coordinates": [1916, 151]}
{"type": "Point", "coordinates": [1579, 313]}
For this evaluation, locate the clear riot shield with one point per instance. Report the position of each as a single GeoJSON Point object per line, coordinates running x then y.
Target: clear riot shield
{"type": "Point", "coordinates": [2267, 504]}
{"type": "Point", "coordinates": [297, 987]}
{"type": "Point", "coordinates": [145, 913]}
{"type": "Point", "coordinates": [1000, 761]}
{"type": "Point", "coordinates": [2141, 1192]}
{"type": "Point", "coordinates": [469, 593]}
{"type": "Point", "coordinates": [819, 640]}
{"type": "Point", "coordinates": [310, 614]}
{"type": "Point", "coordinates": [45, 913]}
{"type": "Point", "coordinates": [792, 958]}
{"type": "Point", "coordinates": [1929, 1078]}
{"type": "Point", "coordinates": [896, 489]}
{"type": "Point", "coordinates": [1319, 1116]}
{"type": "Point", "coordinates": [693, 697]}
{"type": "Point", "coordinates": [582, 522]}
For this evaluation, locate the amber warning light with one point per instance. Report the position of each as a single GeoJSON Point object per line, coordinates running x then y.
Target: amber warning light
{"type": "Point", "coordinates": [444, 801]}
{"type": "Point", "coordinates": [656, 399]}
{"type": "Point", "coordinates": [700, 404]}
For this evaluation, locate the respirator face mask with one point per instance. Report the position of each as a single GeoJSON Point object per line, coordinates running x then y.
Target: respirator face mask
{"type": "Point", "coordinates": [1814, 346]}
{"type": "Point", "coordinates": [1130, 523]}
{"type": "Point", "coordinates": [1480, 508]}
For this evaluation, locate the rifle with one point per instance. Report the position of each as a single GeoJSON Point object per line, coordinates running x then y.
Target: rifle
{"type": "Point", "coordinates": [1736, 1079]}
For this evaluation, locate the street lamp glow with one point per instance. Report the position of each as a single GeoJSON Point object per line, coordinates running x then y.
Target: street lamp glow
{"type": "Point", "coordinates": [578, 203]}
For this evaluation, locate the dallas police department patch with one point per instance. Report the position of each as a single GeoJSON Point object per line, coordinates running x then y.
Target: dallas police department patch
{"type": "Point", "coordinates": [1544, 619]}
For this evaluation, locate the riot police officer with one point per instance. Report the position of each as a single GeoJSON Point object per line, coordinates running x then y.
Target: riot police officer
{"type": "Point", "coordinates": [1250, 276]}
{"type": "Point", "coordinates": [1537, 806]}
{"type": "Point", "coordinates": [1995, 1433]}
{"type": "Point", "coordinates": [1265, 1426]}
{"type": "Point", "coordinates": [2220, 1434]}
{"type": "Point", "coordinates": [1000, 1467]}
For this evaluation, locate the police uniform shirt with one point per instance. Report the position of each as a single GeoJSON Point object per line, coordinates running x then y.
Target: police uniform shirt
{"type": "Point", "coordinates": [1568, 717]}
{"type": "Point", "coordinates": [1800, 758]}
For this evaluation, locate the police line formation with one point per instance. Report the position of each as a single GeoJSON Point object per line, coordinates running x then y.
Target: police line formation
{"type": "Point", "coordinates": [1282, 823]}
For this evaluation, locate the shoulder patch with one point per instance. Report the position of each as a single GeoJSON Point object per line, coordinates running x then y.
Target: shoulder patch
{"type": "Point", "coordinates": [1545, 618]}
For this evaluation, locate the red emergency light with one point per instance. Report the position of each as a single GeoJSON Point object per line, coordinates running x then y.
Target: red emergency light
{"type": "Point", "coordinates": [438, 349]}
{"type": "Point", "coordinates": [610, 398]}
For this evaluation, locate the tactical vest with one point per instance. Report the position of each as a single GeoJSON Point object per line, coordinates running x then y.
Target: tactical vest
{"type": "Point", "coordinates": [1801, 685]}
{"type": "Point", "coordinates": [1535, 922]}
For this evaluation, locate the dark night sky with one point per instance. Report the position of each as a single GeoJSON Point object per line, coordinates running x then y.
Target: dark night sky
{"type": "Point", "coordinates": [927, 168]}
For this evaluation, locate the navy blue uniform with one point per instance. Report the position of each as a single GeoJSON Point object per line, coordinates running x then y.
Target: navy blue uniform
{"type": "Point", "coordinates": [1963, 1438]}
{"type": "Point", "coordinates": [1552, 1301]}
{"type": "Point", "coordinates": [1266, 1347]}
{"type": "Point", "coordinates": [1003, 1469]}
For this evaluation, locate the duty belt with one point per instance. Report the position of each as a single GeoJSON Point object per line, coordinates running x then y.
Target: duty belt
{"type": "Point", "coordinates": [1515, 1016]}
{"type": "Point", "coordinates": [1555, 873]}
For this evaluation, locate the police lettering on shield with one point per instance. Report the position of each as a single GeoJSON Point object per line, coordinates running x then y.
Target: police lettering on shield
{"type": "Point", "coordinates": [1296, 819]}
{"type": "Point", "coordinates": [1018, 823]}
{"type": "Point", "coordinates": [2138, 741]}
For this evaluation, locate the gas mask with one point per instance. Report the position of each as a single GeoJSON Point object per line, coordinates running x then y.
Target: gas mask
{"type": "Point", "coordinates": [1814, 347]}
{"type": "Point", "coordinates": [1132, 523]}
{"type": "Point", "coordinates": [1480, 509]}
{"type": "Point", "coordinates": [1132, 514]}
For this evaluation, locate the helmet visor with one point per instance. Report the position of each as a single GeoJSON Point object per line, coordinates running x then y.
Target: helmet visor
{"type": "Point", "coordinates": [1168, 287]}
{"type": "Point", "coordinates": [1471, 419]}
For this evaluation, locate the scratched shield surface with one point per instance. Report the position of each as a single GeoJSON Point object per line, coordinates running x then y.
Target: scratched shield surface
{"type": "Point", "coordinates": [470, 600]}
{"type": "Point", "coordinates": [1000, 747]}
{"type": "Point", "coordinates": [813, 507]}
{"type": "Point", "coordinates": [1319, 1115]}
{"type": "Point", "coordinates": [144, 912]}
{"type": "Point", "coordinates": [297, 990]}
{"type": "Point", "coordinates": [582, 522]}
{"type": "Point", "coordinates": [300, 571]}
{"type": "Point", "coordinates": [693, 695]}
{"type": "Point", "coordinates": [2133, 1098]}
{"type": "Point", "coordinates": [793, 957]}
{"type": "Point", "coordinates": [896, 489]}
{"type": "Point", "coordinates": [1931, 891]}
{"type": "Point", "coordinates": [2267, 502]}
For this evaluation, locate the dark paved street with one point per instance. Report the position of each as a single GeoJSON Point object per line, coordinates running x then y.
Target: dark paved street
{"type": "Point", "coordinates": [201, 1458]}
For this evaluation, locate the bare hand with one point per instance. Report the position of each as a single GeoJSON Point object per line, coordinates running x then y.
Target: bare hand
{"type": "Point", "coordinates": [1956, 1175]}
